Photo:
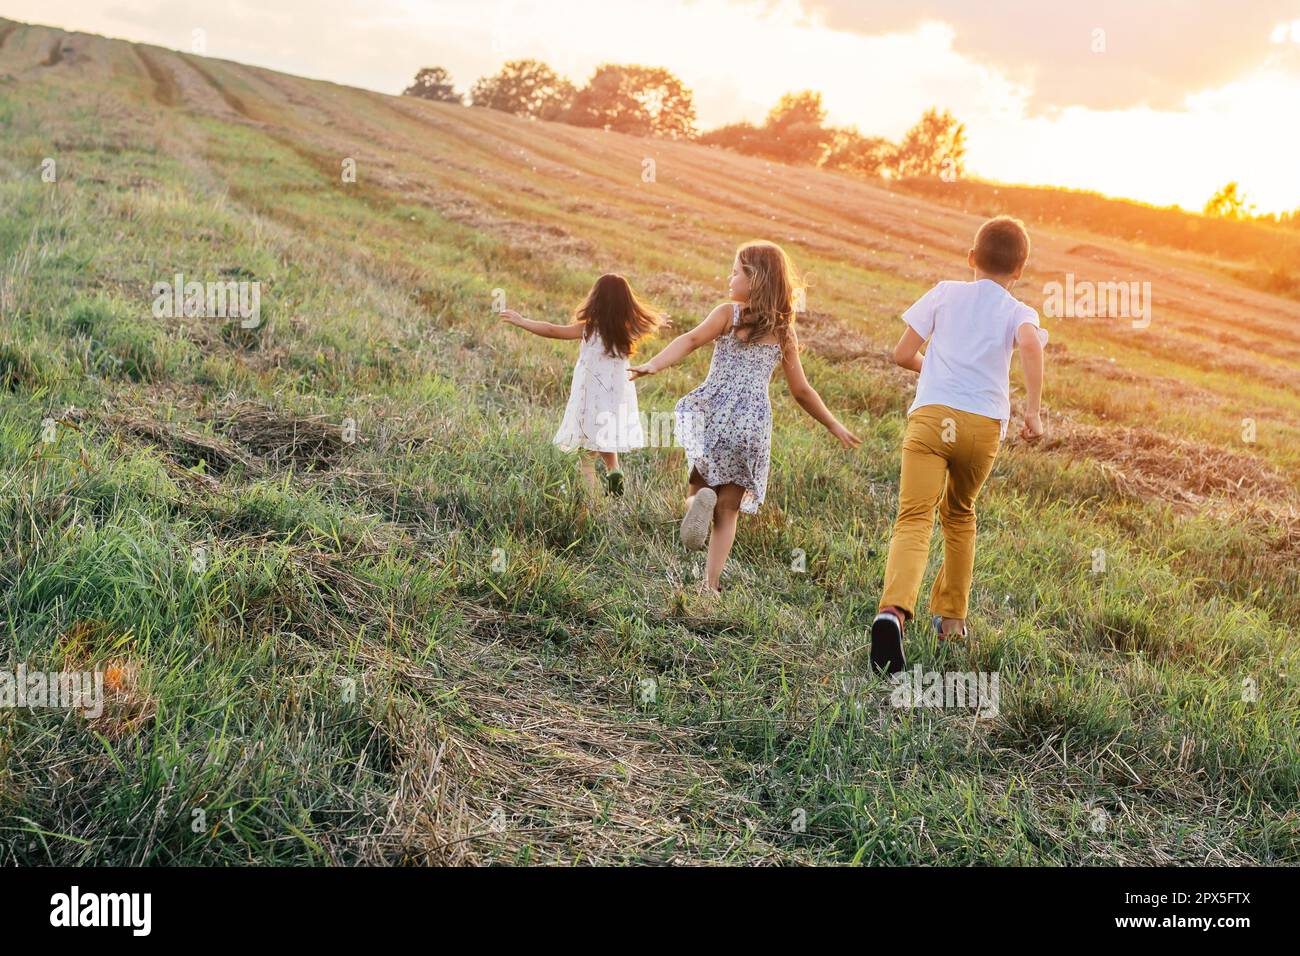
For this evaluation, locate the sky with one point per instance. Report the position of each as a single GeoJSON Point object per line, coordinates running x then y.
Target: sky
{"type": "Point", "coordinates": [1157, 100]}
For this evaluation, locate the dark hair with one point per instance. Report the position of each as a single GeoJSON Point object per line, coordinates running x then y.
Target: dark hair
{"type": "Point", "coordinates": [1001, 246]}
{"type": "Point", "coordinates": [613, 310]}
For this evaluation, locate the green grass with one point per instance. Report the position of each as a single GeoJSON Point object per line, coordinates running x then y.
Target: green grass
{"type": "Point", "coordinates": [428, 648]}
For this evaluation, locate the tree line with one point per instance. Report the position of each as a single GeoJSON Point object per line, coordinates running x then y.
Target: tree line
{"type": "Point", "coordinates": [1230, 202]}
{"type": "Point", "coordinates": [651, 101]}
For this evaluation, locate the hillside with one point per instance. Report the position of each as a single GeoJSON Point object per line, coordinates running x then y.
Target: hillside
{"type": "Point", "coordinates": [419, 646]}
{"type": "Point", "coordinates": [1263, 255]}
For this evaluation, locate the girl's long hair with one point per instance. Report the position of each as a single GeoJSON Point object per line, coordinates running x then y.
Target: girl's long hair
{"type": "Point", "coordinates": [773, 287]}
{"type": "Point", "coordinates": [613, 310]}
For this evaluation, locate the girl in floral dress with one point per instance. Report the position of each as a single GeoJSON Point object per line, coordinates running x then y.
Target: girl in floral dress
{"type": "Point", "coordinates": [725, 425]}
{"type": "Point", "coordinates": [601, 418]}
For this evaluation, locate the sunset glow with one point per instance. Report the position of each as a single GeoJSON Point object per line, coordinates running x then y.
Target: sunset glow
{"type": "Point", "coordinates": [1174, 143]}
{"type": "Point", "coordinates": [597, 434]}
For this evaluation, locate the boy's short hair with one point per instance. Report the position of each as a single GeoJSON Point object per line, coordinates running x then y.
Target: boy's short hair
{"type": "Point", "coordinates": [1001, 246]}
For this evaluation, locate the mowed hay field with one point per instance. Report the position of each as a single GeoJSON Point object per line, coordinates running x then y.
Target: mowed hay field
{"type": "Point", "coordinates": [415, 644]}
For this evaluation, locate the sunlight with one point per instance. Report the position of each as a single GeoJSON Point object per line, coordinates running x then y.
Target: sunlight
{"type": "Point", "coordinates": [740, 56]}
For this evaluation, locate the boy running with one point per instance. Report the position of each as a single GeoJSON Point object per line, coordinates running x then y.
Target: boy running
{"type": "Point", "coordinates": [954, 428]}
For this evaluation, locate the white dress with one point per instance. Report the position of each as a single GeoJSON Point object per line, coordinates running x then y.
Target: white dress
{"type": "Point", "coordinates": [602, 414]}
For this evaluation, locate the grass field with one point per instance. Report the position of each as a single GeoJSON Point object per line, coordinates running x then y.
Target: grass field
{"type": "Point", "coordinates": [421, 646]}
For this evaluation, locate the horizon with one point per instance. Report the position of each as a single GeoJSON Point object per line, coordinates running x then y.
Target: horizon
{"type": "Point", "coordinates": [1016, 112]}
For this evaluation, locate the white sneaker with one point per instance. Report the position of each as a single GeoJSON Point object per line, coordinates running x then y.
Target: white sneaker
{"type": "Point", "coordinates": [698, 520]}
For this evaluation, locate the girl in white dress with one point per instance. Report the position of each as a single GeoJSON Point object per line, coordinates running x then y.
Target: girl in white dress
{"type": "Point", "coordinates": [601, 418]}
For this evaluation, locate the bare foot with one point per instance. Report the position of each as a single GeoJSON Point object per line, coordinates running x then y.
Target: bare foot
{"type": "Point", "coordinates": [952, 629]}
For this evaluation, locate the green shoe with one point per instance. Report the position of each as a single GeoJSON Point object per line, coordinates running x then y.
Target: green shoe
{"type": "Point", "coordinates": [614, 483]}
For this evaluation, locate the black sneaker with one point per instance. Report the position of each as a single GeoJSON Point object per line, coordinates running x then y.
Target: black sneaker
{"type": "Point", "coordinates": [887, 643]}
{"type": "Point", "coordinates": [614, 483]}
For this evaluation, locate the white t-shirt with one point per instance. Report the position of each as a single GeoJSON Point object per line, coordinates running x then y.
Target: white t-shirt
{"type": "Point", "coordinates": [972, 331]}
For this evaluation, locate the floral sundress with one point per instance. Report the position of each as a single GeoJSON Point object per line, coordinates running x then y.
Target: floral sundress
{"type": "Point", "coordinates": [725, 425]}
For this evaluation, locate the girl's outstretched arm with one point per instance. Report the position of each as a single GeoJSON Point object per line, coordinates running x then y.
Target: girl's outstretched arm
{"type": "Point", "coordinates": [807, 396]}
{"type": "Point", "coordinates": [686, 343]}
{"type": "Point", "coordinates": [547, 330]}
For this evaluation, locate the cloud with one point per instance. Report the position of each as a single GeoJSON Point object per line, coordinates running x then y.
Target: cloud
{"type": "Point", "coordinates": [1153, 53]}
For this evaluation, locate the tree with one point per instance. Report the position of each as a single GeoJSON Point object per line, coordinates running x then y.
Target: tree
{"type": "Point", "coordinates": [641, 100]}
{"type": "Point", "coordinates": [526, 88]}
{"type": "Point", "coordinates": [852, 152]}
{"type": "Point", "coordinates": [740, 137]}
{"type": "Point", "coordinates": [795, 130]}
{"type": "Point", "coordinates": [1229, 203]}
{"type": "Point", "coordinates": [433, 83]}
{"type": "Point", "coordinates": [935, 146]}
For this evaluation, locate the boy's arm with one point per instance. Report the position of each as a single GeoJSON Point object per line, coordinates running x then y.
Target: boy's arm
{"type": "Point", "coordinates": [811, 402]}
{"type": "Point", "coordinates": [920, 320]}
{"type": "Point", "coordinates": [686, 343]}
{"type": "Point", "coordinates": [1031, 359]}
{"type": "Point", "coordinates": [907, 353]}
{"type": "Point", "coordinates": [547, 330]}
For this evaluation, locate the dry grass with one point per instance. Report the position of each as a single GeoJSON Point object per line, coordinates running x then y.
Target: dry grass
{"type": "Point", "coordinates": [519, 763]}
{"type": "Point", "coordinates": [166, 92]}
{"type": "Point", "coordinates": [497, 719]}
{"type": "Point", "coordinates": [1146, 464]}
{"type": "Point", "coordinates": [525, 766]}
{"type": "Point", "coordinates": [186, 446]}
{"type": "Point", "coordinates": [307, 442]}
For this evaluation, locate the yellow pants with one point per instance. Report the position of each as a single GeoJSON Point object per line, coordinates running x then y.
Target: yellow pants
{"type": "Point", "coordinates": [947, 455]}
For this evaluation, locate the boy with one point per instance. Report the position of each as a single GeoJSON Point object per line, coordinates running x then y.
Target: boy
{"type": "Point", "coordinates": [954, 427]}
